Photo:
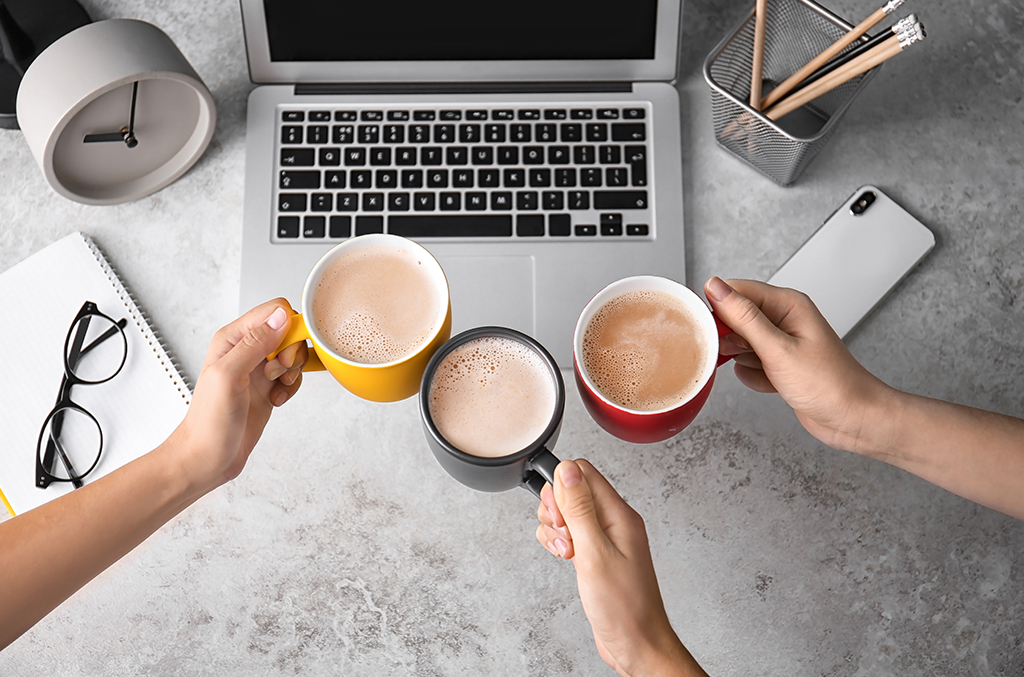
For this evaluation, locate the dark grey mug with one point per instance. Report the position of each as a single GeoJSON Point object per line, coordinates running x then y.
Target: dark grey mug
{"type": "Point", "coordinates": [528, 467]}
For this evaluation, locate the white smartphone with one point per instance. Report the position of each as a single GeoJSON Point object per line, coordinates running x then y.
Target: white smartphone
{"type": "Point", "coordinates": [858, 255]}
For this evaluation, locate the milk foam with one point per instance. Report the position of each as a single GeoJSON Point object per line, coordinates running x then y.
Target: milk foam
{"type": "Point", "coordinates": [377, 304]}
{"type": "Point", "coordinates": [644, 350]}
{"type": "Point", "coordinates": [492, 397]}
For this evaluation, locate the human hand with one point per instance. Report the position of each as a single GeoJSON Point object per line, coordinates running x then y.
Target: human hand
{"type": "Point", "coordinates": [607, 542]}
{"type": "Point", "coordinates": [783, 344]}
{"type": "Point", "coordinates": [236, 391]}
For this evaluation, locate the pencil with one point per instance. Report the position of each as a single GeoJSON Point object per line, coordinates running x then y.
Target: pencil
{"type": "Point", "coordinates": [888, 49]}
{"type": "Point", "coordinates": [760, 10]}
{"type": "Point", "coordinates": [906, 23]}
{"type": "Point", "coordinates": [839, 45]}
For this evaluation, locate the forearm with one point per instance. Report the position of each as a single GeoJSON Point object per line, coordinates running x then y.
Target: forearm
{"type": "Point", "coordinates": [976, 454]}
{"type": "Point", "coordinates": [47, 554]}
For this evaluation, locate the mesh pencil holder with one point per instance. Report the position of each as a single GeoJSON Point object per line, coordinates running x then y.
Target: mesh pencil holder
{"type": "Point", "coordinates": [796, 31]}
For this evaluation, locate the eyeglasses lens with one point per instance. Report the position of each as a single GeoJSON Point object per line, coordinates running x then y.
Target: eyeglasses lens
{"type": "Point", "coordinates": [75, 438]}
{"type": "Point", "coordinates": [101, 349]}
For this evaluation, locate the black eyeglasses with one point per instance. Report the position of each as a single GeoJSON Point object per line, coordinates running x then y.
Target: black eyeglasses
{"type": "Point", "coordinates": [71, 440]}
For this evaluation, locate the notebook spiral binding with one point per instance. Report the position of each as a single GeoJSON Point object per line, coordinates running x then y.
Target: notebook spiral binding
{"type": "Point", "coordinates": [141, 319]}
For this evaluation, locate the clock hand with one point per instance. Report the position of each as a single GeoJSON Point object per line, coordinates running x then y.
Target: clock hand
{"type": "Point", "coordinates": [126, 133]}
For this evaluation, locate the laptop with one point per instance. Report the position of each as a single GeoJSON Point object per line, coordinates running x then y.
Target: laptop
{"type": "Point", "coordinates": [533, 147]}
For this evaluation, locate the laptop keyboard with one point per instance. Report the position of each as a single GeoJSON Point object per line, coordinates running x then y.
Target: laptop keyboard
{"type": "Point", "coordinates": [506, 173]}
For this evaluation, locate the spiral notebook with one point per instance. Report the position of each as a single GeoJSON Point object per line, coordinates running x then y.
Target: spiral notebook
{"type": "Point", "coordinates": [136, 410]}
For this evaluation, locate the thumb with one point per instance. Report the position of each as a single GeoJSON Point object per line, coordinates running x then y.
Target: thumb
{"type": "Point", "coordinates": [742, 315]}
{"type": "Point", "coordinates": [256, 343]}
{"type": "Point", "coordinates": [579, 510]}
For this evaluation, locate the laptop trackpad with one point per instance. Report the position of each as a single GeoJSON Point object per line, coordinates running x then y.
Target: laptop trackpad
{"type": "Point", "coordinates": [491, 290]}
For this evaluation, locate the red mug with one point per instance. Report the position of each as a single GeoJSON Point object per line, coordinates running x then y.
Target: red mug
{"type": "Point", "coordinates": [635, 425]}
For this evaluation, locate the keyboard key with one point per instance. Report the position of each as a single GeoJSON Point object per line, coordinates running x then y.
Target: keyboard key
{"type": "Point", "coordinates": [451, 115]}
{"type": "Point", "coordinates": [629, 131]}
{"type": "Point", "coordinates": [437, 178]}
{"type": "Point", "coordinates": [521, 133]}
{"type": "Point", "coordinates": [607, 113]}
{"type": "Point", "coordinates": [297, 157]}
{"type": "Point", "coordinates": [451, 225]}
{"type": "Point", "coordinates": [462, 178]}
{"type": "Point", "coordinates": [288, 226]}
{"type": "Point", "coordinates": [342, 134]}
{"type": "Point", "coordinates": [450, 202]}
{"type": "Point", "coordinates": [291, 135]}
{"type": "Point", "coordinates": [320, 116]}
{"type": "Point", "coordinates": [476, 201]}
{"type": "Point", "coordinates": [361, 179]}
{"type": "Point", "coordinates": [482, 155]}
{"type": "Point", "coordinates": [508, 155]}
{"type": "Point", "coordinates": [398, 202]}
{"type": "Point", "coordinates": [565, 178]}
{"type": "Point", "coordinates": [476, 115]}
{"type": "Point", "coordinates": [615, 176]}
{"type": "Point", "coordinates": [316, 134]}
{"type": "Point", "coordinates": [444, 133]}
{"type": "Point", "coordinates": [321, 202]}
{"type": "Point", "coordinates": [610, 155]}
{"type": "Point", "coordinates": [340, 226]}
{"type": "Point", "coordinates": [330, 157]}
{"type": "Point", "coordinates": [530, 225]}
{"type": "Point", "coordinates": [559, 225]}
{"type": "Point", "coordinates": [611, 230]}
{"type": "Point", "coordinates": [430, 156]}
{"type": "Point", "coordinates": [501, 201]}
{"type": "Point", "coordinates": [469, 133]}
{"type": "Point", "coordinates": [622, 199]}
{"type": "Point", "coordinates": [541, 178]}
{"type": "Point", "coordinates": [636, 229]}
{"type": "Point", "coordinates": [386, 179]}
{"type": "Point", "coordinates": [456, 155]}
{"type": "Point", "coordinates": [373, 202]}
{"type": "Point", "coordinates": [293, 116]}
{"type": "Point", "coordinates": [547, 132]}
{"type": "Point", "coordinates": [514, 178]}
{"type": "Point", "coordinates": [372, 115]}
{"type": "Point", "coordinates": [555, 113]}
{"type": "Point", "coordinates": [348, 202]}
{"type": "Point", "coordinates": [369, 134]}
{"type": "Point", "coordinates": [634, 113]}
{"type": "Point", "coordinates": [369, 224]}
{"type": "Point", "coordinates": [586, 230]}
{"type": "Point", "coordinates": [494, 133]}
{"type": "Point", "coordinates": [583, 155]}
{"type": "Point", "coordinates": [581, 114]}
{"type": "Point", "coordinates": [526, 200]}
{"type": "Point", "coordinates": [611, 219]}
{"type": "Point", "coordinates": [412, 178]}
{"type": "Point", "coordinates": [380, 156]}
{"type": "Point", "coordinates": [423, 115]}
{"type": "Point", "coordinates": [571, 132]}
{"type": "Point", "coordinates": [529, 114]}
{"type": "Point", "coordinates": [314, 226]}
{"type": "Point", "coordinates": [405, 156]}
{"type": "Point", "coordinates": [590, 176]}
{"type": "Point", "coordinates": [553, 200]}
{"type": "Point", "coordinates": [488, 178]}
{"type": "Point", "coordinates": [597, 132]}
{"type": "Point", "coordinates": [533, 155]}
{"type": "Point", "coordinates": [300, 179]}
{"type": "Point", "coordinates": [636, 158]}
{"type": "Point", "coordinates": [558, 155]}
{"type": "Point", "coordinates": [355, 157]}
{"type": "Point", "coordinates": [394, 133]}
{"type": "Point", "coordinates": [502, 115]}
{"type": "Point", "coordinates": [579, 199]}
{"type": "Point", "coordinates": [398, 115]}
{"type": "Point", "coordinates": [419, 134]}
{"type": "Point", "coordinates": [423, 202]}
{"type": "Point", "coordinates": [344, 116]}
{"type": "Point", "coordinates": [291, 202]}
{"type": "Point", "coordinates": [334, 179]}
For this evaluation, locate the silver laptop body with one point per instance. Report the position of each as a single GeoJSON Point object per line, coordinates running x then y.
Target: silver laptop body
{"type": "Point", "coordinates": [524, 243]}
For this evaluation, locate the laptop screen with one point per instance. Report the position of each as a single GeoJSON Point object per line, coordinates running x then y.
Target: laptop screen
{"type": "Point", "coordinates": [460, 30]}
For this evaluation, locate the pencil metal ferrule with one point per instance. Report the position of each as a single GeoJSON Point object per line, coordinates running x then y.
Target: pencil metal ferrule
{"type": "Point", "coordinates": [891, 6]}
{"type": "Point", "coordinates": [909, 37]}
{"type": "Point", "coordinates": [904, 24]}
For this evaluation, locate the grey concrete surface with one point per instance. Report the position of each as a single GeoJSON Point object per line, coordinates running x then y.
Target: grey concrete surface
{"type": "Point", "coordinates": [344, 549]}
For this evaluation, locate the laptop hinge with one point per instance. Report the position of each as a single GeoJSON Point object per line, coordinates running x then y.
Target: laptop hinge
{"type": "Point", "coordinates": [321, 89]}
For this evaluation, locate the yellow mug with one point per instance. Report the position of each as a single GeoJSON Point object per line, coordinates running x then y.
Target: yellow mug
{"type": "Point", "coordinates": [383, 382]}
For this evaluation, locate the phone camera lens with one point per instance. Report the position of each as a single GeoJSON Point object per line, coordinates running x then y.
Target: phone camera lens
{"type": "Point", "coordinates": [861, 204]}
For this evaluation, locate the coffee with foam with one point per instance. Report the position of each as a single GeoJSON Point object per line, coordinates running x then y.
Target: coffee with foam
{"type": "Point", "coordinates": [377, 304]}
{"type": "Point", "coordinates": [645, 350]}
{"type": "Point", "coordinates": [492, 396]}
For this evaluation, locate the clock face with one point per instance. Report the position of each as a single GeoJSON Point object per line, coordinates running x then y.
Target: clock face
{"type": "Point", "coordinates": [105, 167]}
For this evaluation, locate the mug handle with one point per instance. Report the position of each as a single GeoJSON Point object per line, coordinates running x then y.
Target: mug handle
{"type": "Point", "coordinates": [297, 331]}
{"type": "Point", "coordinates": [542, 470]}
{"type": "Point", "coordinates": [723, 330]}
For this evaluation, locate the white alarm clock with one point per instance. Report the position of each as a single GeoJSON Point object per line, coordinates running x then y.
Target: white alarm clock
{"type": "Point", "coordinates": [113, 112]}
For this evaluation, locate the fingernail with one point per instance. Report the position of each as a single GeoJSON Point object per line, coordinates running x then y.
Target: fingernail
{"type": "Point", "coordinates": [277, 372]}
{"type": "Point", "coordinates": [551, 548]}
{"type": "Point", "coordinates": [280, 399]}
{"type": "Point", "coordinates": [289, 378]}
{"type": "Point", "coordinates": [736, 340]}
{"type": "Point", "coordinates": [562, 547]}
{"type": "Point", "coordinates": [562, 530]}
{"type": "Point", "coordinates": [277, 319]}
{"type": "Point", "coordinates": [718, 289]}
{"type": "Point", "coordinates": [569, 474]}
